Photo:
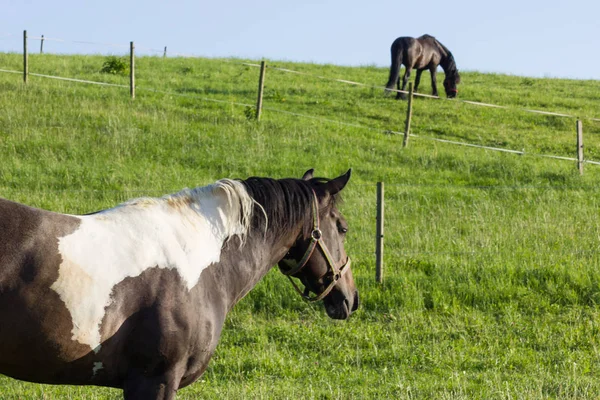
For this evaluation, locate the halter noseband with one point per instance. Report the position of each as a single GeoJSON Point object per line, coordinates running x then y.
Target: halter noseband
{"type": "Point", "coordinates": [316, 238]}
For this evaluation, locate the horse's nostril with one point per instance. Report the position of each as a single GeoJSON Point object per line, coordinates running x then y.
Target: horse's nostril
{"type": "Point", "coordinates": [356, 301]}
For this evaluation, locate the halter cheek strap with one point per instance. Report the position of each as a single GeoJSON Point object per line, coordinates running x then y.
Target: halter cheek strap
{"type": "Point", "coordinates": [316, 238]}
{"type": "Point", "coordinates": [336, 276]}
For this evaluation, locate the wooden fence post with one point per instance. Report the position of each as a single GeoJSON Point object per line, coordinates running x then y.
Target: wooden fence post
{"type": "Point", "coordinates": [379, 235]}
{"type": "Point", "coordinates": [580, 146]}
{"type": "Point", "coordinates": [165, 53]}
{"type": "Point", "coordinates": [261, 86]}
{"type": "Point", "coordinates": [131, 70]}
{"type": "Point", "coordinates": [25, 58]}
{"type": "Point", "coordinates": [408, 115]}
{"type": "Point", "coordinates": [42, 45]}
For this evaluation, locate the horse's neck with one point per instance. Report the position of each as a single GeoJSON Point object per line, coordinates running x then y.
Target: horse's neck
{"type": "Point", "coordinates": [448, 63]}
{"type": "Point", "coordinates": [447, 59]}
{"type": "Point", "coordinates": [245, 264]}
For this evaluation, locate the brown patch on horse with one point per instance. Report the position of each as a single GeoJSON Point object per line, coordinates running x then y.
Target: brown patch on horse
{"type": "Point", "coordinates": [40, 330]}
{"type": "Point", "coordinates": [180, 202]}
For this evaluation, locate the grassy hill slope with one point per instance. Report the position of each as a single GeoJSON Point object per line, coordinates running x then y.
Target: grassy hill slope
{"type": "Point", "coordinates": [491, 264]}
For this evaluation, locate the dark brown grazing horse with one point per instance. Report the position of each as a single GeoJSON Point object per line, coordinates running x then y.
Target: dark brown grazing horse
{"type": "Point", "coordinates": [422, 53]}
{"type": "Point", "coordinates": [135, 296]}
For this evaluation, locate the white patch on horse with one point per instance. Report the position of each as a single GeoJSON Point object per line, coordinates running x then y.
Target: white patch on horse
{"type": "Point", "coordinates": [184, 232]}
{"type": "Point", "coordinates": [97, 367]}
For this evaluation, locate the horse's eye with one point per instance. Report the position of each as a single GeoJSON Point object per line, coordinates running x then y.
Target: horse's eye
{"type": "Point", "coordinates": [342, 229]}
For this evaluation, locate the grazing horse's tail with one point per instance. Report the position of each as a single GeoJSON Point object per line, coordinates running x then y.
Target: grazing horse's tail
{"type": "Point", "coordinates": [396, 51]}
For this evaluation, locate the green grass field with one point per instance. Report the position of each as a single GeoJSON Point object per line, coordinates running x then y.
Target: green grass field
{"type": "Point", "coordinates": [492, 266]}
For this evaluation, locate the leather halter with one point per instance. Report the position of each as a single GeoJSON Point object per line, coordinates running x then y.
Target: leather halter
{"type": "Point", "coordinates": [316, 239]}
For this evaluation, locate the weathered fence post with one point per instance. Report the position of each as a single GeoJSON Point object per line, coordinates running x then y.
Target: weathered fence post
{"type": "Point", "coordinates": [131, 70]}
{"type": "Point", "coordinates": [580, 146]}
{"type": "Point", "coordinates": [379, 235]}
{"type": "Point", "coordinates": [408, 115]}
{"type": "Point", "coordinates": [261, 86]}
{"type": "Point", "coordinates": [42, 45]}
{"type": "Point", "coordinates": [25, 58]}
{"type": "Point", "coordinates": [165, 53]}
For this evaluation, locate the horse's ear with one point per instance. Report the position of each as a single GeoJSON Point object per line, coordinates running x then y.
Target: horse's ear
{"type": "Point", "coordinates": [336, 185]}
{"type": "Point", "coordinates": [308, 175]}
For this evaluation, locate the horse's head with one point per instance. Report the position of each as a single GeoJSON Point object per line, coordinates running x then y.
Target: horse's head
{"type": "Point", "coordinates": [450, 84]}
{"type": "Point", "coordinates": [318, 257]}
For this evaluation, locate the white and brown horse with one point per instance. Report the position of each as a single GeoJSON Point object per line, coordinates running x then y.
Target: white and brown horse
{"type": "Point", "coordinates": [135, 297]}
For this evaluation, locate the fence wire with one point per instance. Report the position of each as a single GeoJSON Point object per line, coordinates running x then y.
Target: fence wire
{"type": "Point", "coordinates": [327, 120]}
{"type": "Point", "coordinates": [424, 223]}
{"type": "Point", "coordinates": [340, 80]}
{"type": "Point", "coordinates": [534, 226]}
{"type": "Point", "coordinates": [476, 103]}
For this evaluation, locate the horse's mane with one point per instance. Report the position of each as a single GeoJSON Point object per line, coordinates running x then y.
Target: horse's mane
{"type": "Point", "coordinates": [237, 212]}
{"type": "Point", "coordinates": [282, 204]}
{"type": "Point", "coordinates": [271, 206]}
{"type": "Point", "coordinates": [448, 63]}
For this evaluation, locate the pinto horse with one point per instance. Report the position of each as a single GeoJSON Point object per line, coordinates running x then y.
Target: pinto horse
{"type": "Point", "coordinates": [135, 296]}
{"type": "Point", "coordinates": [422, 53]}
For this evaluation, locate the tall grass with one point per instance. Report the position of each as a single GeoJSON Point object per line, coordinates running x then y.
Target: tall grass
{"type": "Point", "coordinates": [491, 259]}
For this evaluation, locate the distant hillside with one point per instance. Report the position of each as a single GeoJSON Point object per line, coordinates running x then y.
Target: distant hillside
{"type": "Point", "coordinates": [210, 90]}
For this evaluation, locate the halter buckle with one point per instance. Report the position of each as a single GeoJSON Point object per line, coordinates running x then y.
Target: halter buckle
{"type": "Point", "coordinates": [316, 234]}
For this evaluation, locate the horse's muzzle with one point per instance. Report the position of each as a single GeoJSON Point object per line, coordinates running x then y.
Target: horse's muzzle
{"type": "Point", "coordinates": [356, 302]}
{"type": "Point", "coordinates": [342, 309]}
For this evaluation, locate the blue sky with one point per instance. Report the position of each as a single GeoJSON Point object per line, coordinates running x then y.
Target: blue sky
{"type": "Point", "coordinates": [527, 38]}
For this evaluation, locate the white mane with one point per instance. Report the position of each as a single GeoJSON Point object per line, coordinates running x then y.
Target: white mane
{"type": "Point", "coordinates": [237, 204]}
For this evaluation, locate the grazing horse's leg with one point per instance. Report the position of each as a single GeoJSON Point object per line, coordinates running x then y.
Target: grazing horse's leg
{"type": "Point", "coordinates": [405, 79]}
{"type": "Point", "coordinates": [398, 94]}
{"type": "Point", "coordinates": [418, 79]}
{"type": "Point", "coordinates": [433, 71]}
